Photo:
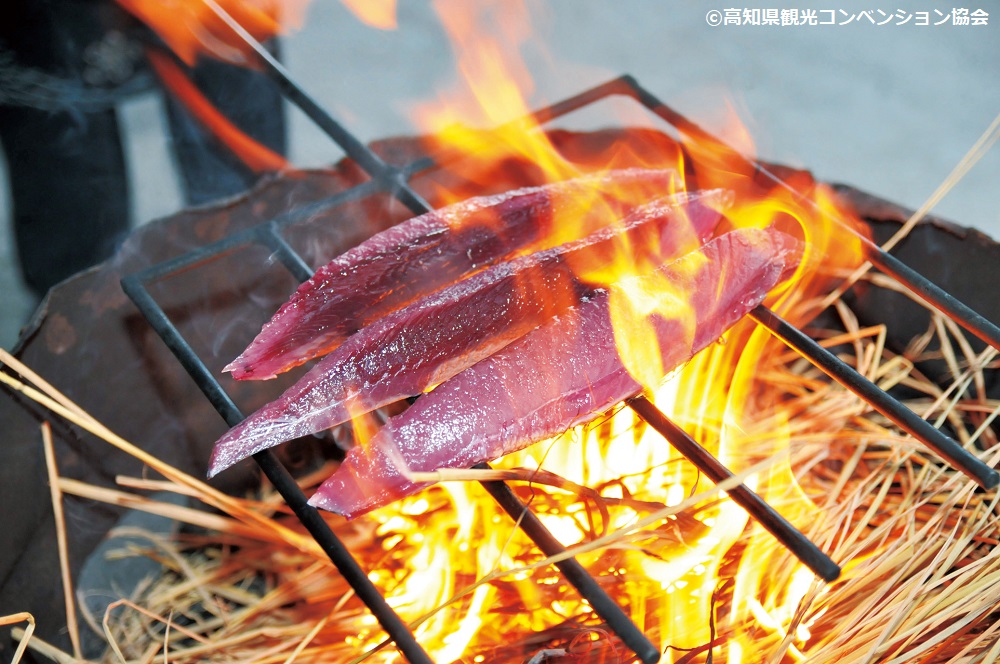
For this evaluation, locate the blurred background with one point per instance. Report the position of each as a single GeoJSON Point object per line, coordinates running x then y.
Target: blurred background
{"type": "Point", "coordinates": [890, 109]}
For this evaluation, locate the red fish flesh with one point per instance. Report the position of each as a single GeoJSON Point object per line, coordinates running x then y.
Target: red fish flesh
{"type": "Point", "coordinates": [428, 252]}
{"type": "Point", "coordinates": [564, 373]}
{"type": "Point", "coordinates": [431, 340]}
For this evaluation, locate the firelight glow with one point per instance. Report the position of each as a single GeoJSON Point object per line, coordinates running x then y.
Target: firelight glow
{"type": "Point", "coordinates": [451, 562]}
{"type": "Point", "coordinates": [667, 576]}
{"type": "Point", "coordinates": [192, 28]}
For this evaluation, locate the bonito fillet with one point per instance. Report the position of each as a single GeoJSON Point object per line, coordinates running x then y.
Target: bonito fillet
{"type": "Point", "coordinates": [421, 255]}
{"type": "Point", "coordinates": [565, 373]}
{"type": "Point", "coordinates": [431, 340]}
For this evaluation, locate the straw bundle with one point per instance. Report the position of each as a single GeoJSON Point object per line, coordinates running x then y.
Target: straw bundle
{"type": "Point", "coordinates": [921, 577]}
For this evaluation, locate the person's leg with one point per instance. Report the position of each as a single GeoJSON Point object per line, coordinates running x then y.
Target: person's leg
{"type": "Point", "coordinates": [69, 195]}
{"type": "Point", "coordinates": [68, 190]}
{"type": "Point", "coordinates": [251, 102]}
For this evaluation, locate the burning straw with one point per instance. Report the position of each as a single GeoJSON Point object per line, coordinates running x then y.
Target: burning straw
{"type": "Point", "coordinates": [917, 542]}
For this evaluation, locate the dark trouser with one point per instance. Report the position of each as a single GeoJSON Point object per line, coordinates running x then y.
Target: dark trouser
{"type": "Point", "coordinates": [251, 102]}
{"type": "Point", "coordinates": [68, 190]}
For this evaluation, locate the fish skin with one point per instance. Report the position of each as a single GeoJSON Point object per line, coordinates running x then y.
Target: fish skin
{"type": "Point", "coordinates": [431, 340]}
{"type": "Point", "coordinates": [421, 255]}
{"type": "Point", "coordinates": [505, 403]}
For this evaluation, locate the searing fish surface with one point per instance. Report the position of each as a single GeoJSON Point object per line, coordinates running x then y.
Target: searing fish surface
{"type": "Point", "coordinates": [419, 256]}
{"type": "Point", "coordinates": [429, 341]}
{"type": "Point", "coordinates": [566, 372]}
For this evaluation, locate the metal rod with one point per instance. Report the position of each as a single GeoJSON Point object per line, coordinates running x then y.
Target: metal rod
{"type": "Point", "coordinates": [342, 559]}
{"type": "Point", "coordinates": [283, 482]}
{"type": "Point", "coordinates": [366, 158]}
{"type": "Point", "coordinates": [135, 288]}
{"type": "Point", "coordinates": [543, 115]}
{"type": "Point", "coordinates": [877, 398]}
{"type": "Point", "coordinates": [577, 101]}
{"type": "Point", "coordinates": [261, 234]}
{"type": "Point", "coordinates": [395, 180]}
{"type": "Point", "coordinates": [574, 572]}
{"type": "Point", "coordinates": [787, 534]}
{"type": "Point", "coordinates": [292, 261]}
{"type": "Point", "coordinates": [934, 295]}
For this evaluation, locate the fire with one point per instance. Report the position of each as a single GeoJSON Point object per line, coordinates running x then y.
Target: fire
{"type": "Point", "coordinates": [451, 561]}
{"type": "Point", "coordinates": [257, 157]}
{"type": "Point", "coordinates": [192, 28]}
{"type": "Point", "coordinates": [461, 565]}
{"type": "Point", "coordinates": [379, 14]}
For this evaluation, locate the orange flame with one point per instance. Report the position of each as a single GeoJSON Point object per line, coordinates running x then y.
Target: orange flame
{"type": "Point", "coordinates": [379, 14]}
{"type": "Point", "coordinates": [192, 27]}
{"type": "Point", "coordinates": [445, 537]}
{"type": "Point", "coordinates": [437, 543]}
{"type": "Point", "coordinates": [494, 95]}
{"type": "Point", "coordinates": [257, 157]}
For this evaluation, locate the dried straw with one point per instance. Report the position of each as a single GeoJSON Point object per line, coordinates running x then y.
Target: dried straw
{"type": "Point", "coordinates": [23, 636]}
{"type": "Point", "coordinates": [57, 511]}
{"type": "Point", "coordinates": [917, 541]}
{"type": "Point", "coordinates": [979, 149]}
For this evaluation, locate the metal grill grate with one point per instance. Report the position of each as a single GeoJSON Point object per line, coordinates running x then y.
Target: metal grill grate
{"type": "Point", "coordinates": [395, 181]}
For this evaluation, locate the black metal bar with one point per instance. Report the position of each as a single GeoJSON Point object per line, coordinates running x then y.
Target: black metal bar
{"type": "Point", "coordinates": [937, 297]}
{"type": "Point", "coordinates": [283, 482]}
{"type": "Point", "coordinates": [198, 255]}
{"type": "Point", "coordinates": [165, 329]}
{"type": "Point", "coordinates": [389, 177]}
{"type": "Point", "coordinates": [789, 536]}
{"type": "Point", "coordinates": [877, 398]}
{"type": "Point", "coordinates": [284, 253]}
{"type": "Point", "coordinates": [932, 294]}
{"type": "Point", "coordinates": [547, 114]}
{"type": "Point", "coordinates": [578, 101]}
{"type": "Point", "coordinates": [371, 163]}
{"type": "Point", "coordinates": [342, 559]}
{"type": "Point", "coordinates": [262, 233]}
{"type": "Point", "coordinates": [574, 572]}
